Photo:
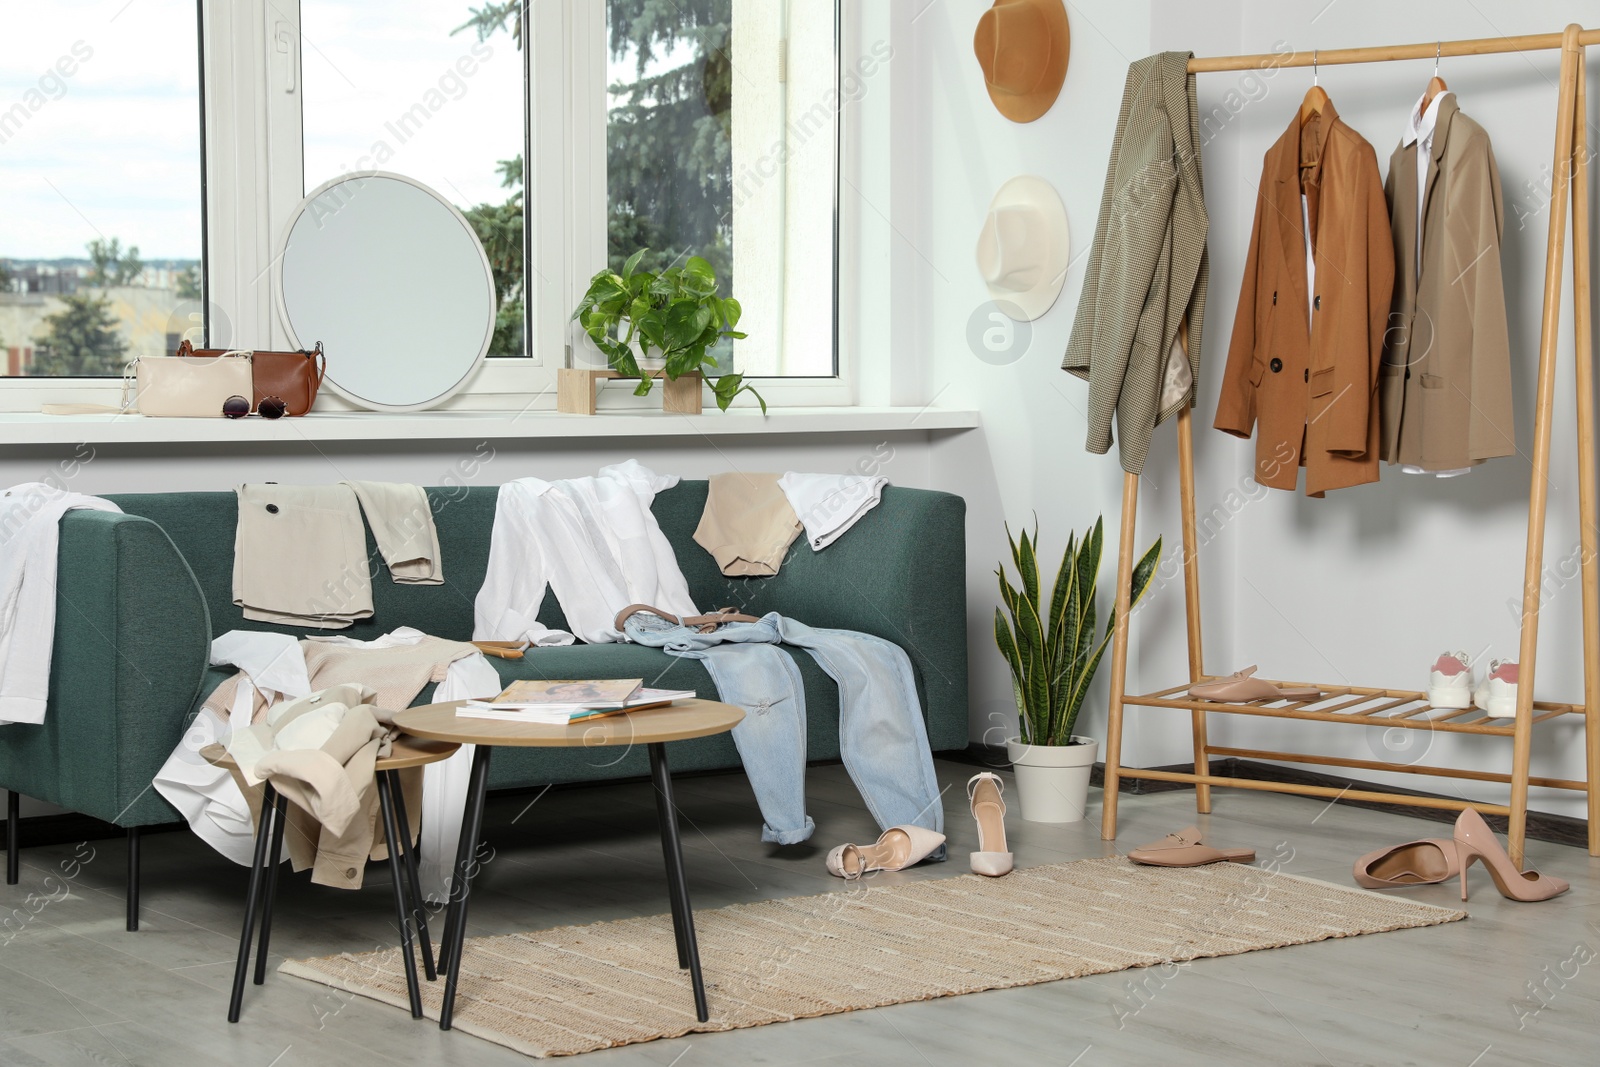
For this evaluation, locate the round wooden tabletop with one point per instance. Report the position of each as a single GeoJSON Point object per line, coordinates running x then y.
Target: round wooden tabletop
{"type": "Point", "coordinates": [676, 722]}
{"type": "Point", "coordinates": [405, 751]}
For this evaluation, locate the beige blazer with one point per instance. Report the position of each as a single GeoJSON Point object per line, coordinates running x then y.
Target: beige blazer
{"type": "Point", "coordinates": [1302, 368]}
{"type": "Point", "coordinates": [1148, 266]}
{"type": "Point", "coordinates": [1445, 387]}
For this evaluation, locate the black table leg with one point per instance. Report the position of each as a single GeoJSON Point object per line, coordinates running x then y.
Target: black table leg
{"type": "Point", "coordinates": [419, 912]}
{"type": "Point", "coordinates": [252, 900]}
{"type": "Point", "coordinates": [274, 861]}
{"type": "Point", "coordinates": [677, 883]}
{"type": "Point", "coordinates": [663, 814]}
{"type": "Point", "coordinates": [13, 846]}
{"type": "Point", "coordinates": [455, 927]}
{"type": "Point", "coordinates": [391, 831]}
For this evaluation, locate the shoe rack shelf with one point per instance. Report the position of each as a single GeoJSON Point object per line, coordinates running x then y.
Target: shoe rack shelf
{"type": "Point", "coordinates": [1383, 708]}
{"type": "Point", "coordinates": [1397, 708]}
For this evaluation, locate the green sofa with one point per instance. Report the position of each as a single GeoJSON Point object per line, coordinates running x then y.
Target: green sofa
{"type": "Point", "coordinates": [141, 595]}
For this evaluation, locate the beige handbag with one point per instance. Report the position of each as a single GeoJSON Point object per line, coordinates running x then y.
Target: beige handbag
{"type": "Point", "coordinates": [175, 386]}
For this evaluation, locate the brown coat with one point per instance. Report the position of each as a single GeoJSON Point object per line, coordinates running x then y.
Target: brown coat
{"type": "Point", "coordinates": [1445, 387]}
{"type": "Point", "coordinates": [1303, 369]}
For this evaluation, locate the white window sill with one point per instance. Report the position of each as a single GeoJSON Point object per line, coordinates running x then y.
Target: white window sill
{"type": "Point", "coordinates": [32, 428]}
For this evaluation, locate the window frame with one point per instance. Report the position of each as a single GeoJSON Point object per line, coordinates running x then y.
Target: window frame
{"type": "Point", "coordinates": [253, 179]}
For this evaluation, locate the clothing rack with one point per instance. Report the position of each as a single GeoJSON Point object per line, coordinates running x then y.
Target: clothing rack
{"type": "Point", "coordinates": [1394, 708]}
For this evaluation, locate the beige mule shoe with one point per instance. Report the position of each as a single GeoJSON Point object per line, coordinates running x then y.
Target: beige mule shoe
{"type": "Point", "coordinates": [897, 848]}
{"type": "Point", "coordinates": [1186, 849]}
{"type": "Point", "coordinates": [989, 810]}
{"type": "Point", "coordinates": [1241, 687]}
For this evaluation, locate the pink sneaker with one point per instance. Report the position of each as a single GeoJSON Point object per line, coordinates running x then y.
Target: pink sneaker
{"type": "Point", "coordinates": [1450, 681]}
{"type": "Point", "coordinates": [1498, 693]}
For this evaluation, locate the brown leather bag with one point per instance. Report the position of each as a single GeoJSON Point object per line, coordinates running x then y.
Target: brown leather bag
{"type": "Point", "coordinates": [293, 377]}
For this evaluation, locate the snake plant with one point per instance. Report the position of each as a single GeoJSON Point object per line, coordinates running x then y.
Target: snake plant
{"type": "Point", "coordinates": [1052, 649]}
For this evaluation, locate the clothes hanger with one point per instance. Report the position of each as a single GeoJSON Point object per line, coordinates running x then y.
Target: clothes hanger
{"type": "Point", "coordinates": [1312, 106]}
{"type": "Point", "coordinates": [1436, 84]}
{"type": "Point", "coordinates": [1316, 97]}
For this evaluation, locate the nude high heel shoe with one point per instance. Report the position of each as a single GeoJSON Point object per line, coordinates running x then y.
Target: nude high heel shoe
{"type": "Point", "coordinates": [1475, 841]}
{"type": "Point", "coordinates": [989, 809]}
{"type": "Point", "coordinates": [1425, 862]}
{"type": "Point", "coordinates": [897, 848]}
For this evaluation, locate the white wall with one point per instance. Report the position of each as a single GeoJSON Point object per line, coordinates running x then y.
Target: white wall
{"type": "Point", "coordinates": [1366, 586]}
{"type": "Point", "coordinates": [1032, 460]}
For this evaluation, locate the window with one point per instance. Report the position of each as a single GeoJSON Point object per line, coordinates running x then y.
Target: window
{"type": "Point", "coordinates": [570, 133]}
{"type": "Point", "coordinates": [434, 91]}
{"type": "Point", "coordinates": [101, 233]}
{"type": "Point", "coordinates": [721, 143]}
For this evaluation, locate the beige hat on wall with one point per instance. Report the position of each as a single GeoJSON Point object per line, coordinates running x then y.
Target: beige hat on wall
{"type": "Point", "coordinates": [1022, 46]}
{"type": "Point", "coordinates": [1024, 247]}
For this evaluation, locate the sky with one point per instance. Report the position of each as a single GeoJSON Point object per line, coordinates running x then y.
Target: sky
{"type": "Point", "coordinates": [114, 151]}
{"type": "Point", "coordinates": [367, 64]}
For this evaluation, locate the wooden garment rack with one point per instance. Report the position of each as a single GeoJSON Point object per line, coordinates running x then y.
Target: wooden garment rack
{"type": "Point", "coordinates": [1394, 708]}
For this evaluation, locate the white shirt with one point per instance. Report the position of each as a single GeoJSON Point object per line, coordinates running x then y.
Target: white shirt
{"type": "Point", "coordinates": [829, 504]}
{"type": "Point", "coordinates": [593, 541]}
{"type": "Point", "coordinates": [1311, 257]}
{"type": "Point", "coordinates": [30, 530]}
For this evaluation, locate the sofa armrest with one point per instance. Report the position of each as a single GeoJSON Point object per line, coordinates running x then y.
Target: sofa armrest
{"type": "Point", "coordinates": [899, 574]}
{"type": "Point", "coordinates": [132, 640]}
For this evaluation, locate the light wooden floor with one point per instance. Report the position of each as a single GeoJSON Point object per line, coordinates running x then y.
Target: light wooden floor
{"type": "Point", "coordinates": [75, 988]}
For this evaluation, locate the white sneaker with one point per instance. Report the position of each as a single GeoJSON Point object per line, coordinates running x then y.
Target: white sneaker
{"type": "Point", "coordinates": [1497, 694]}
{"type": "Point", "coordinates": [1450, 681]}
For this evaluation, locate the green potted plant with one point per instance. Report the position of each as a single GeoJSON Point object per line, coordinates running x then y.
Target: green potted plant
{"type": "Point", "coordinates": [676, 313]}
{"type": "Point", "coordinates": [1053, 652]}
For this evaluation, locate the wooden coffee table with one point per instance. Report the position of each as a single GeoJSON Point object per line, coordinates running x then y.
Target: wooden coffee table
{"type": "Point", "coordinates": [652, 728]}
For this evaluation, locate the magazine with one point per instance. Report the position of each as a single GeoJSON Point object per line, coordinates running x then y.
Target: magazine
{"type": "Point", "coordinates": [570, 693]}
{"type": "Point", "coordinates": [548, 715]}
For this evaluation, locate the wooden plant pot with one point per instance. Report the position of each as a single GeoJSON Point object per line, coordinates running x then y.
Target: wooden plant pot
{"type": "Point", "coordinates": [576, 390]}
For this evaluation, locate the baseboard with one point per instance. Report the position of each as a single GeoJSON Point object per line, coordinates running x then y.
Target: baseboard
{"type": "Point", "coordinates": [1542, 826]}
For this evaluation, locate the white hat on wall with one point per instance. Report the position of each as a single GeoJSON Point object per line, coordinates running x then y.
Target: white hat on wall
{"type": "Point", "coordinates": [1024, 247]}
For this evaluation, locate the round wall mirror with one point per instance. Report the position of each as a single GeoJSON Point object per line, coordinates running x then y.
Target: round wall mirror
{"type": "Point", "coordinates": [393, 281]}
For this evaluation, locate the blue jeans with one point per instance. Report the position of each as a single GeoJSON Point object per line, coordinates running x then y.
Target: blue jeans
{"type": "Point", "coordinates": [882, 737]}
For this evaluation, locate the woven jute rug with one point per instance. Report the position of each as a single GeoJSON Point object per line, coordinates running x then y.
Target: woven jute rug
{"type": "Point", "coordinates": [578, 988]}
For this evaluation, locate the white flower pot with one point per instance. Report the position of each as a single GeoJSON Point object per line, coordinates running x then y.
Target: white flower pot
{"type": "Point", "coordinates": [1053, 780]}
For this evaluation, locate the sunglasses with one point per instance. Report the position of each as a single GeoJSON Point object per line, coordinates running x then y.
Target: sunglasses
{"type": "Point", "coordinates": [271, 407]}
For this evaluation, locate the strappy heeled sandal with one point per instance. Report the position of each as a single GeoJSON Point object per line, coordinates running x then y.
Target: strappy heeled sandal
{"type": "Point", "coordinates": [989, 811]}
